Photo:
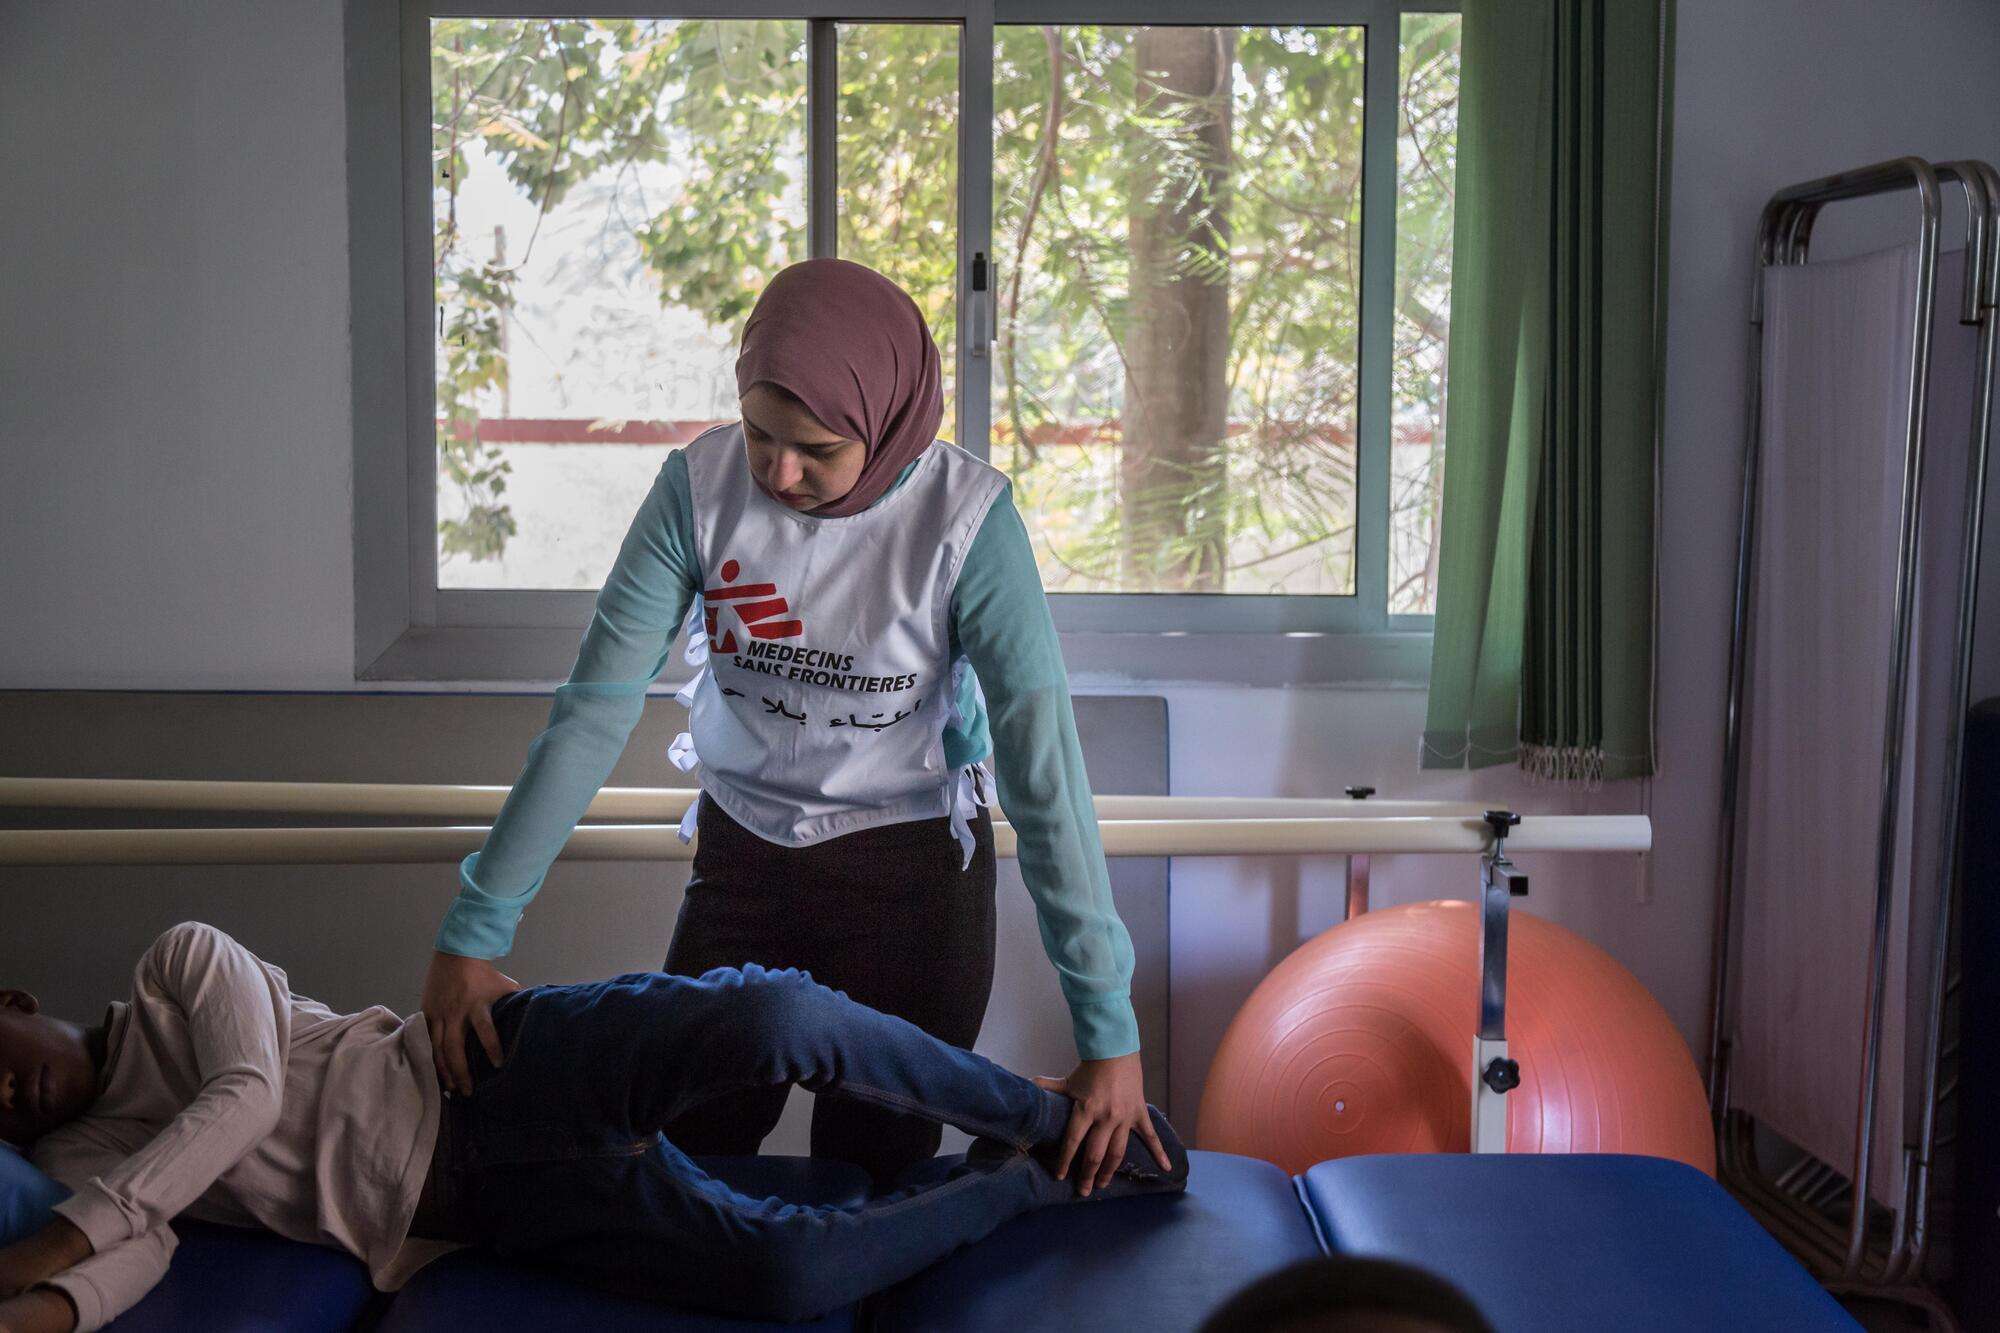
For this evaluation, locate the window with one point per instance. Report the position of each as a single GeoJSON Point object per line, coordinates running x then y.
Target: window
{"type": "Point", "coordinates": [604, 195]}
{"type": "Point", "coordinates": [1178, 223]}
{"type": "Point", "coordinates": [1159, 268]}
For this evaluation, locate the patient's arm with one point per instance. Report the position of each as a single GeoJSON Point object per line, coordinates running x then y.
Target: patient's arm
{"type": "Point", "coordinates": [39, 1311]}
{"type": "Point", "coordinates": [110, 1282]}
{"type": "Point", "coordinates": [30, 1260]}
{"type": "Point", "coordinates": [237, 1020]}
{"type": "Point", "coordinates": [43, 1254]}
{"type": "Point", "coordinates": [54, 1280]}
{"type": "Point", "coordinates": [236, 1017]}
{"type": "Point", "coordinates": [51, 1280]}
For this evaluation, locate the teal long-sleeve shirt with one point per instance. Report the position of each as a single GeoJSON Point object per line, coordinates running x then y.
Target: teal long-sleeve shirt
{"type": "Point", "coordinates": [999, 621]}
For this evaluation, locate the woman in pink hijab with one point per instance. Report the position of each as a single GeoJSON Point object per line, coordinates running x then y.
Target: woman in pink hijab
{"type": "Point", "coordinates": [864, 605]}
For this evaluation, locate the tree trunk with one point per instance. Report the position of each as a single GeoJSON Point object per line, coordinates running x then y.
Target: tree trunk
{"type": "Point", "coordinates": [1172, 465]}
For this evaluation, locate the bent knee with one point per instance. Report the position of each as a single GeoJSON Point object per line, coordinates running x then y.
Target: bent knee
{"type": "Point", "coordinates": [777, 1001]}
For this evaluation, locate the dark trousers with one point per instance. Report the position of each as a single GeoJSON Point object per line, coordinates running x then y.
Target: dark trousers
{"type": "Point", "coordinates": [556, 1157]}
{"type": "Point", "coordinates": [885, 916]}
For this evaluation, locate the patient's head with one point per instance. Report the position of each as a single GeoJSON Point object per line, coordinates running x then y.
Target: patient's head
{"type": "Point", "coordinates": [48, 1075]}
{"type": "Point", "coordinates": [1345, 1295]}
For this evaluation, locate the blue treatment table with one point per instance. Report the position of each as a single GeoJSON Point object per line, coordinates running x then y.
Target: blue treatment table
{"type": "Point", "coordinates": [1538, 1242]}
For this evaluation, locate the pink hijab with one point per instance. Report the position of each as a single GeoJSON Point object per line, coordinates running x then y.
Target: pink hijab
{"type": "Point", "coordinates": [853, 347]}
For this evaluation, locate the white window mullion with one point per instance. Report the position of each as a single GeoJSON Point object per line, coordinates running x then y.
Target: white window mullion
{"type": "Point", "coordinates": [823, 138]}
{"type": "Point", "coordinates": [978, 317]}
{"type": "Point", "coordinates": [1378, 316]}
{"type": "Point", "coordinates": [420, 319]}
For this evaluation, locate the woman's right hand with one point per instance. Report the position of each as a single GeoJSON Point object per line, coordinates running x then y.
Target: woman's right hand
{"type": "Point", "coordinates": [459, 994]}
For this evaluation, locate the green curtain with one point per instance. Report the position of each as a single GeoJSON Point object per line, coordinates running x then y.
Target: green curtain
{"type": "Point", "coordinates": [1544, 643]}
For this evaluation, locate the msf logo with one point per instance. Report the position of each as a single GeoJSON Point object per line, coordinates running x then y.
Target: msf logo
{"type": "Point", "coordinates": [762, 613]}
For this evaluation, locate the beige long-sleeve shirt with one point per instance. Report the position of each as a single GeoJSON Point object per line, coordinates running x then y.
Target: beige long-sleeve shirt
{"type": "Point", "coordinates": [229, 1099]}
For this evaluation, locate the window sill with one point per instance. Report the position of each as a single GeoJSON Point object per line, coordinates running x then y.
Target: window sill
{"type": "Point", "coordinates": [476, 657]}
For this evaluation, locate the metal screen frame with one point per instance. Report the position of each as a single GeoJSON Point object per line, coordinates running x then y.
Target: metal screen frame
{"type": "Point", "coordinates": [1793, 1205]}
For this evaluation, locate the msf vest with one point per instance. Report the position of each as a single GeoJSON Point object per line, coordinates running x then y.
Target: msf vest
{"type": "Point", "coordinates": [828, 680]}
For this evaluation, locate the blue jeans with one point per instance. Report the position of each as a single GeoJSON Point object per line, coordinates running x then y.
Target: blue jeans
{"type": "Point", "coordinates": [557, 1156]}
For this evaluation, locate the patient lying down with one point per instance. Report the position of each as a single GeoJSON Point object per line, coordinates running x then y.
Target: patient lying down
{"type": "Point", "coordinates": [216, 1092]}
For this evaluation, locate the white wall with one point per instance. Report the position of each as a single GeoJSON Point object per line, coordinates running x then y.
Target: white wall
{"type": "Point", "coordinates": [174, 507]}
{"type": "Point", "coordinates": [174, 437]}
{"type": "Point", "coordinates": [1767, 94]}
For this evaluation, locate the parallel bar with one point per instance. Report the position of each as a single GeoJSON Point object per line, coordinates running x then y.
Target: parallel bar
{"type": "Point", "coordinates": [661, 842]}
{"type": "Point", "coordinates": [414, 800]}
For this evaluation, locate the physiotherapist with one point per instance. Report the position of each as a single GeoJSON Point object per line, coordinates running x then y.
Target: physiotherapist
{"type": "Point", "coordinates": [864, 604]}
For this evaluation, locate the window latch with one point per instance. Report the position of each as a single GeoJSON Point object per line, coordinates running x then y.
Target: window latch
{"type": "Point", "coordinates": [979, 309]}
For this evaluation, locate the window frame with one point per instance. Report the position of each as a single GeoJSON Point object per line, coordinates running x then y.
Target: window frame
{"type": "Point", "coordinates": [407, 628]}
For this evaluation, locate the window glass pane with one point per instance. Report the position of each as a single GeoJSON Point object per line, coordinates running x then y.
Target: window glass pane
{"type": "Point", "coordinates": [608, 199]}
{"type": "Point", "coordinates": [897, 162]}
{"type": "Point", "coordinates": [1178, 232]}
{"type": "Point", "coordinates": [1426, 156]}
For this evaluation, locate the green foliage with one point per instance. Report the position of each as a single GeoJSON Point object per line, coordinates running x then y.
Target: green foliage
{"type": "Point", "coordinates": [1292, 271]}
{"type": "Point", "coordinates": [1083, 143]}
{"type": "Point", "coordinates": [898, 157]}
{"type": "Point", "coordinates": [562, 102]}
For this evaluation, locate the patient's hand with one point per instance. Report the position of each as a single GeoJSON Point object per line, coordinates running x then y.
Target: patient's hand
{"type": "Point", "coordinates": [459, 993]}
{"type": "Point", "coordinates": [57, 1246]}
{"type": "Point", "coordinates": [1109, 1099]}
{"type": "Point", "coordinates": [45, 1311]}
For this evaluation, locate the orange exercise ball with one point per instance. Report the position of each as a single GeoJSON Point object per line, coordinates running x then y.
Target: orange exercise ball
{"type": "Point", "coordinates": [1361, 1042]}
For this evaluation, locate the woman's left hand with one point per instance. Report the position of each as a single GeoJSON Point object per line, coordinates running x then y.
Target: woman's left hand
{"type": "Point", "coordinates": [1109, 1107]}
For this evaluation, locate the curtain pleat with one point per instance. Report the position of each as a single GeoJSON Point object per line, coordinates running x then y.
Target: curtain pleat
{"type": "Point", "coordinates": [1544, 637]}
